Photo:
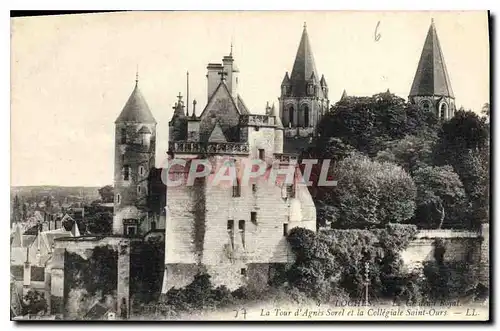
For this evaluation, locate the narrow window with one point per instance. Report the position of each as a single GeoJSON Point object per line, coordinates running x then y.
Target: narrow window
{"type": "Point", "coordinates": [123, 135]}
{"type": "Point", "coordinates": [117, 198]}
{"type": "Point", "coordinates": [291, 116]}
{"type": "Point", "coordinates": [243, 272]}
{"type": "Point", "coordinates": [241, 228]}
{"type": "Point", "coordinates": [237, 189]}
{"type": "Point", "coordinates": [285, 229]}
{"type": "Point", "coordinates": [443, 111]}
{"type": "Point", "coordinates": [153, 225]}
{"type": "Point", "coordinates": [254, 188]}
{"type": "Point", "coordinates": [262, 154]}
{"type": "Point", "coordinates": [126, 172]}
{"type": "Point", "coordinates": [253, 217]}
{"type": "Point", "coordinates": [123, 158]}
{"type": "Point", "coordinates": [306, 116]}
{"type": "Point", "coordinates": [230, 232]}
{"type": "Point", "coordinates": [139, 189]}
{"type": "Point", "coordinates": [141, 170]}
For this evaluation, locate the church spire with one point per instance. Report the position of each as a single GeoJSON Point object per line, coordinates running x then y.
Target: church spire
{"type": "Point", "coordinates": [431, 78]}
{"type": "Point", "coordinates": [303, 67]}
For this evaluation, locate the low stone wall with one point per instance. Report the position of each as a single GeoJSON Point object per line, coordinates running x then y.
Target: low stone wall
{"type": "Point", "coordinates": [469, 246]}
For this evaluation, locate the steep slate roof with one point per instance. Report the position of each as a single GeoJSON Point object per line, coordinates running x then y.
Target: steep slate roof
{"type": "Point", "coordinates": [431, 77]}
{"type": "Point", "coordinates": [136, 109]}
{"type": "Point", "coordinates": [344, 95]}
{"type": "Point", "coordinates": [303, 67]}
{"type": "Point", "coordinates": [241, 106]}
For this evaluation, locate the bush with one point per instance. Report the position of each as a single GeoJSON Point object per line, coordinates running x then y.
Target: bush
{"type": "Point", "coordinates": [449, 280]}
{"type": "Point", "coordinates": [333, 261]}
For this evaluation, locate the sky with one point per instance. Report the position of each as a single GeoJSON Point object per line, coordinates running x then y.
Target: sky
{"type": "Point", "coordinates": [71, 75]}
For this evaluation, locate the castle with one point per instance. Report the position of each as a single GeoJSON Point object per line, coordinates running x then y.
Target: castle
{"type": "Point", "coordinates": [235, 233]}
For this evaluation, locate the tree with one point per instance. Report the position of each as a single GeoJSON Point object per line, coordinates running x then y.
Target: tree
{"type": "Point", "coordinates": [370, 194]}
{"type": "Point", "coordinates": [466, 130]}
{"type": "Point", "coordinates": [486, 109]}
{"type": "Point", "coordinates": [331, 148]}
{"type": "Point", "coordinates": [439, 191]}
{"type": "Point", "coordinates": [473, 170]}
{"type": "Point", "coordinates": [34, 302]}
{"type": "Point", "coordinates": [410, 153]}
{"type": "Point", "coordinates": [16, 210]}
{"type": "Point", "coordinates": [368, 123]}
{"type": "Point", "coordinates": [106, 193]}
{"type": "Point", "coordinates": [464, 143]}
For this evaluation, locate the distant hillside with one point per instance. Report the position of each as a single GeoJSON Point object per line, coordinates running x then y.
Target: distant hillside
{"type": "Point", "coordinates": [57, 193]}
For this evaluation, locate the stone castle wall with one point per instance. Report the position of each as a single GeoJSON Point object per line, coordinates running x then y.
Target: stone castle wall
{"type": "Point", "coordinates": [469, 246]}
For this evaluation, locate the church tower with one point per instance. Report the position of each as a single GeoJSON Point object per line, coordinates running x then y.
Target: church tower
{"type": "Point", "coordinates": [135, 141]}
{"type": "Point", "coordinates": [304, 97]}
{"type": "Point", "coordinates": [431, 88]}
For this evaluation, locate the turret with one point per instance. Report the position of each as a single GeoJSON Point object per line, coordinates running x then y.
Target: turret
{"type": "Point", "coordinates": [135, 146]}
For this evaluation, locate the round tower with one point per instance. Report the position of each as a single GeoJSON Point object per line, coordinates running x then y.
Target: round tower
{"type": "Point", "coordinates": [135, 144]}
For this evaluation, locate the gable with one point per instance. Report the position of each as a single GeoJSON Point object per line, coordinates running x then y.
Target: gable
{"type": "Point", "coordinates": [217, 135]}
{"type": "Point", "coordinates": [220, 109]}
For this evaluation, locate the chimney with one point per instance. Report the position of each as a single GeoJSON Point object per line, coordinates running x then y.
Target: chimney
{"type": "Point", "coordinates": [213, 78]}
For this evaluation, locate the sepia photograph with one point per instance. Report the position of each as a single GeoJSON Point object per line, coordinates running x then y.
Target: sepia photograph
{"type": "Point", "coordinates": [250, 166]}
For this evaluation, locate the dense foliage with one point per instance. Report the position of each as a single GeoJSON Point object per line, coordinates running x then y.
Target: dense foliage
{"type": "Point", "coordinates": [439, 192]}
{"type": "Point", "coordinates": [333, 262]}
{"type": "Point", "coordinates": [369, 193]}
{"type": "Point", "coordinates": [368, 123]}
{"type": "Point", "coordinates": [34, 302]}
{"type": "Point", "coordinates": [389, 130]}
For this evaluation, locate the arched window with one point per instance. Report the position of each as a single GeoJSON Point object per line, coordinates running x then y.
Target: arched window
{"type": "Point", "coordinates": [139, 189]}
{"type": "Point", "coordinates": [291, 115]}
{"type": "Point", "coordinates": [442, 111]}
{"type": "Point", "coordinates": [306, 116]}
{"type": "Point", "coordinates": [117, 198]}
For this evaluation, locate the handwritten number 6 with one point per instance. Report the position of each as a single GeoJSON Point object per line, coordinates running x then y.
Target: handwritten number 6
{"type": "Point", "coordinates": [377, 35]}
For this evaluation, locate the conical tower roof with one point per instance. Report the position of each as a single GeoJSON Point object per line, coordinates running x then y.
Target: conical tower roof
{"type": "Point", "coordinates": [431, 77]}
{"type": "Point", "coordinates": [303, 67]}
{"type": "Point", "coordinates": [136, 109]}
{"type": "Point", "coordinates": [344, 95]}
{"type": "Point", "coordinates": [286, 79]}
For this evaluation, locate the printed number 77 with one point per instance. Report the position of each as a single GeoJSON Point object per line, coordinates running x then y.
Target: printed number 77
{"type": "Point", "coordinates": [244, 313]}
